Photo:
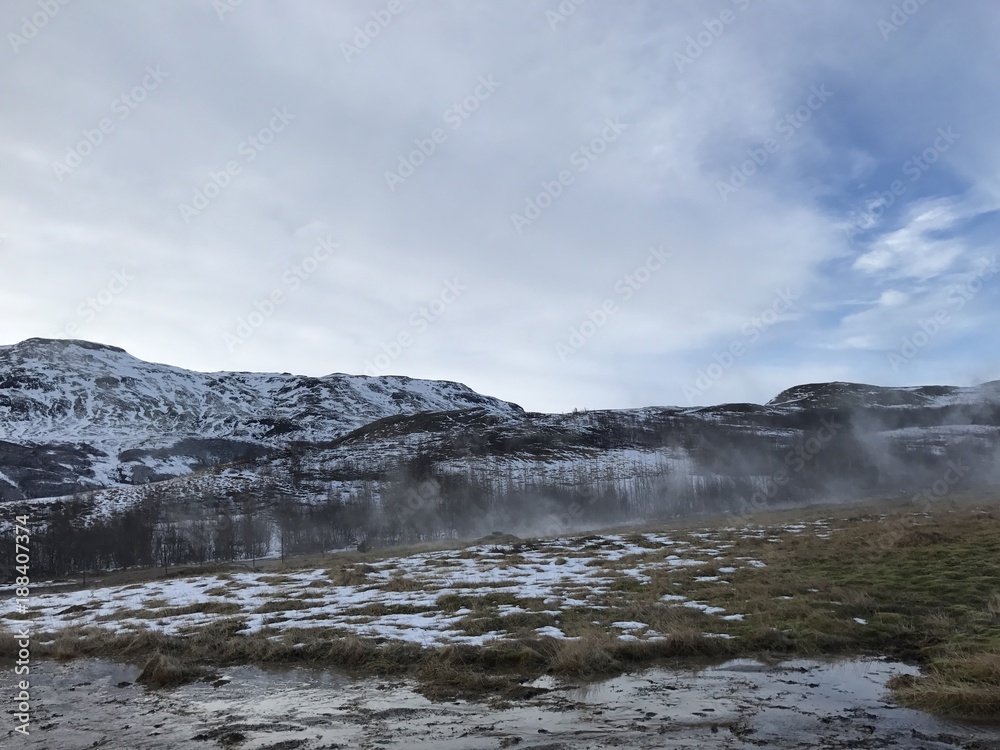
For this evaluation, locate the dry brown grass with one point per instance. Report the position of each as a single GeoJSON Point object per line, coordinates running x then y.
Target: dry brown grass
{"type": "Point", "coordinates": [8, 646]}
{"type": "Point", "coordinates": [350, 575]}
{"type": "Point", "coordinates": [210, 608]}
{"type": "Point", "coordinates": [308, 594]}
{"type": "Point", "coordinates": [377, 609]}
{"type": "Point", "coordinates": [939, 625]}
{"type": "Point", "coordinates": [19, 616]}
{"type": "Point", "coordinates": [927, 588]}
{"type": "Point", "coordinates": [966, 686]}
{"type": "Point", "coordinates": [161, 611]}
{"type": "Point", "coordinates": [993, 606]}
{"type": "Point", "coordinates": [399, 582]}
{"type": "Point", "coordinates": [276, 580]}
{"type": "Point", "coordinates": [590, 654]}
{"type": "Point", "coordinates": [166, 671]}
{"type": "Point", "coordinates": [282, 605]}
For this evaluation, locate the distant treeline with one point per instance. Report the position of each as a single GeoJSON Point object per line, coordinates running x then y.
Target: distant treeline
{"type": "Point", "coordinates": [283, 516]}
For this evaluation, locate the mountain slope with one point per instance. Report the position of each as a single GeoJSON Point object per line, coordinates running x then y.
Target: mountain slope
{"type": "Point", "coordinates": [77, 417]}
{"type": "Point", "coordinates": [671, 459]}
{"type": "Point", "coordinates": [93, 415]}
{"type": "Point", "coordinates": [854, 395]}
{"type": "Point", "coordinates": [195, 466]}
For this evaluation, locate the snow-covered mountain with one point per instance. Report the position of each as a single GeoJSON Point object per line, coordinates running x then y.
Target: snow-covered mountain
{"type": "Point", "coordinates": [855, 395]}
{"type": "Point", "coordinates": [196, 466]}
{"type": "Point", "coordinates": [78, 415]}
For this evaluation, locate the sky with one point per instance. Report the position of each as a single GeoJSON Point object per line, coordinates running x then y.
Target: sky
{"type": "Point", "coordinates": [586, 204]}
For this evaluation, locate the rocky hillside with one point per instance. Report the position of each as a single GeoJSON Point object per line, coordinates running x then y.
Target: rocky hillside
{"type": "Point", "coordinates": [76, 415]}
{"type": "Point", "coordinates": [199, 466]}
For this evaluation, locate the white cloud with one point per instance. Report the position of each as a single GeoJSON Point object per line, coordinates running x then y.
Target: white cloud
{"type": "Point", "coordinates": [913, 251]}
{"type": "Point", "coordinates": [655, 184]}
{"type": "Point", "coordinates": [892, 298]}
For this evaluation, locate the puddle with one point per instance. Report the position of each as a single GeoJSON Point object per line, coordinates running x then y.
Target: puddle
{"type": "Point", "coordinates": [740, 704]}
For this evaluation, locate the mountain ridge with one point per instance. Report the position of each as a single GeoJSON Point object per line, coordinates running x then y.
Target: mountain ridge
{"type": "Point", "coordinates": [78, 416]}
{"type": "Point", "coordinates": [96, 444]}
{"type": "Point", "coordinates": [102, 399]}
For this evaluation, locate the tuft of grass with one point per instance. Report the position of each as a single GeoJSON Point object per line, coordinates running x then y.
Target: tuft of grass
{"type": "Point", "coordinates": [589, 654]}
{"type": "Point", "coordinates": [282, 605]}
{"type": "Point", "coordinates": [19, 616]}
{"type": "Point", "coordinates": [993, 607]}
{"type": "Point", "coordinates": [516, 623]}
{"type": "Point", "coordinates": [213, 608]}
{"type": "Point", "coordinates": [351, 575]}
{"type": "Point", "coordinates": [165, 671]}
{"type": "Point", "coordinates": [377, 609]}
{"type": "Point", "coordinates": [967, 686]}
{"type": "Point", "coordinates": [276, 580]}
{"type": "Point", "coordinates": [641, 540]}
{"type": "Point", "coordinates": [453, 602]}
{"type": "Point", "coordinates": [399, 582]}
{"type": "Point", "coordinates": [210, 608]}
{"type": "Point", "coordinates": [8, 646]}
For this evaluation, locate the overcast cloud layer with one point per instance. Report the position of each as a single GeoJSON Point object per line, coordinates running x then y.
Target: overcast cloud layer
{"type": "Point", "coordinates": [609, 204]}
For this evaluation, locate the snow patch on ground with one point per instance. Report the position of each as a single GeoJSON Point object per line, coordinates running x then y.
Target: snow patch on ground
{"type": "Point", "coordinates": [409, 598]}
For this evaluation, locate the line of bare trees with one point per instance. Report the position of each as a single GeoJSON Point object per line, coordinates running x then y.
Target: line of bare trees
{"type": "Point", "coordinates": [284, 516]}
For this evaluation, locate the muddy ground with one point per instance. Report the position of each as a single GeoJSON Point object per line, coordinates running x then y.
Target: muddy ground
{"type": "Point", "coordinates": [739, 704]}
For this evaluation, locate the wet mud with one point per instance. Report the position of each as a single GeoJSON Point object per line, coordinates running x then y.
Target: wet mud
{"type": "Point", "coordinates": [739, 704]}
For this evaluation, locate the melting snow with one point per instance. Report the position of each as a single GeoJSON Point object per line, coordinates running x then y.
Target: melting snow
{"type": "Point", "coordinates": [311, 599]}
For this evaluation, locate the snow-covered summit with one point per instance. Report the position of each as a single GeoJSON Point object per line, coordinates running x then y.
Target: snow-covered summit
{"type": "Point", "coordinates": [78, 416]}
{"type": "Point", "coordinates": [80, 391]}
{"type": "Point", "coordinates": [839, 395]}
{"type": "Point", "coordinates": [98, 396]}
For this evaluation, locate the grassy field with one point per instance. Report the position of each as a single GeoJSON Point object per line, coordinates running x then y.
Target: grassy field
{"type": "Point", "coordinates": [884, 578]}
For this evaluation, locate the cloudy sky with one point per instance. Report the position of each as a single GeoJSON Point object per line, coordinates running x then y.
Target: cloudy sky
{"type": "Point", "coordinates": [602, 204]}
